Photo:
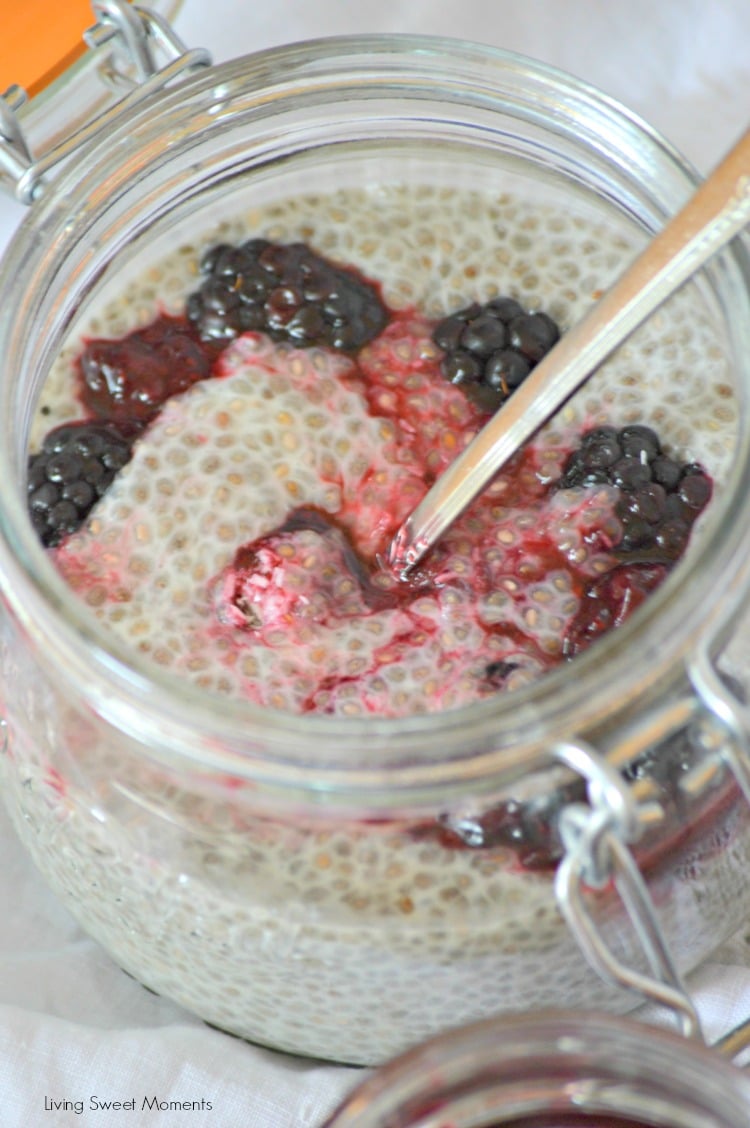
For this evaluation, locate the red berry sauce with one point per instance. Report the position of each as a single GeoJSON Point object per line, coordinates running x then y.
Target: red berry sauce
{"type": "Point", "coordinates": [126, 381]}
{"type": "Point", "coordinates": [533, 568]}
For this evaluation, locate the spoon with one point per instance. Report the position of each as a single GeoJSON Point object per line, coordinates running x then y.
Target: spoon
{"type": "Point", "coordinates": [718, 211]}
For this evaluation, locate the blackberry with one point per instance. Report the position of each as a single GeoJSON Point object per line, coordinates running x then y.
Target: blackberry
{"type": "Point", "coordinates": [287, 291]}
{"type": "Point", "coordinates": [76, 464]}
{"type": "Point", "coordinates": [669, 761]}
{"type": "Point", "coordinates": [527, 827]}
{"type": "Point", "coordinates": [490, 349]}
{"type": "Point", "coordinates": [660, 497]}
{"type": "Point", "coordinates": [129, 379]}
{"type": "Point", "coordinates": [495, 673]}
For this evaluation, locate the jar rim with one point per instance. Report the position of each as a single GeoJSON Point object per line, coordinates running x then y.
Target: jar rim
{"type": "Point", "coordinates": [498, 737]}
{"type": "Point", "coordinates": [569, 1056]}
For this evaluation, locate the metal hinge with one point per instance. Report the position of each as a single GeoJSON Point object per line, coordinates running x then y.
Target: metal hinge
{"type": "Point", "coordinates": [596, 837]}
{"type": "Point", "coordinates": [730, 716]}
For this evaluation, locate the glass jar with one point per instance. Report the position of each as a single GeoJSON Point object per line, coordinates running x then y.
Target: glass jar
{"type": "Point", "coordinates": [345, 887]}
{"type": "Point", "coordinates": [553, 1069]}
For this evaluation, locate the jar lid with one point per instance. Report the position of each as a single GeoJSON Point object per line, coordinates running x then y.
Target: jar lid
{"type": "Point", "coordinates": [41, 39]}
{"type": "Point", "coordinates": [57, 86]}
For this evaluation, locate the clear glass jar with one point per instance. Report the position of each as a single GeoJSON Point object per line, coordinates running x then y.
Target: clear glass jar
{"type": "Point", "coordinates": [325, 885]}
{"type": "Point", "coordinates": [552, 1070]}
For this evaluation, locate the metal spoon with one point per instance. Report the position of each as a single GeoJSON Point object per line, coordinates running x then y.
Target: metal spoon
{"type": "Point", "coordinates": [718, 210]}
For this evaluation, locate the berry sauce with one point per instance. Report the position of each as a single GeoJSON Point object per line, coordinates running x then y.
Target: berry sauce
{"type": "Point", "coordinates": [127, 381]}
{"type": "Point", "coordinates": [544, 549]}
{"type": "Point", "coordinates": [566, 543]}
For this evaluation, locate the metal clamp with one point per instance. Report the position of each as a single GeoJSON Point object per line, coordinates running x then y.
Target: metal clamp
{"type": "Point", "coordinates": [138, 38]}
{"type": "Point", "coordinates": [731, 717]}
{"type": "Point", "coordinates": [15, 156]}
{"type": "Point", "coordinates": [139, 35]}
{"type": "Point", "coordinates": [596, 839]}
{"type": "Point", "coordinates": [596, 835]}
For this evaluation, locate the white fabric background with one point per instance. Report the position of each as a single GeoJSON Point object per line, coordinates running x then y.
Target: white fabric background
{"type": "Point", "coordinates": [72, 1024]}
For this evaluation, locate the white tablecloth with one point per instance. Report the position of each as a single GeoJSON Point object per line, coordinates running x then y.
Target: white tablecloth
{"type": "Point", "coordinates": [72, 1025]}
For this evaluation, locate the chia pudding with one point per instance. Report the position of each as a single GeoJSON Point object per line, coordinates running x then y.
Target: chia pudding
{"type": "Point", "coordinates": [219, 487]}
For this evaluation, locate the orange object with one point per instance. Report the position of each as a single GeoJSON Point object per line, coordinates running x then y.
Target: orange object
{"type": "Point", "coordinates": [39, 39]}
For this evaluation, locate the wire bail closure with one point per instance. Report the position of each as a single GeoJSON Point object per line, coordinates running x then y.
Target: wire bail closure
{"type": "Point", "coordinates": [730, 716]}
{"type": "Point", "coordinates": [138, 39]}
{"type": "Point", "coordinates": [596, 837]}
{"type": "Point", "coordinates": [137, 34]}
